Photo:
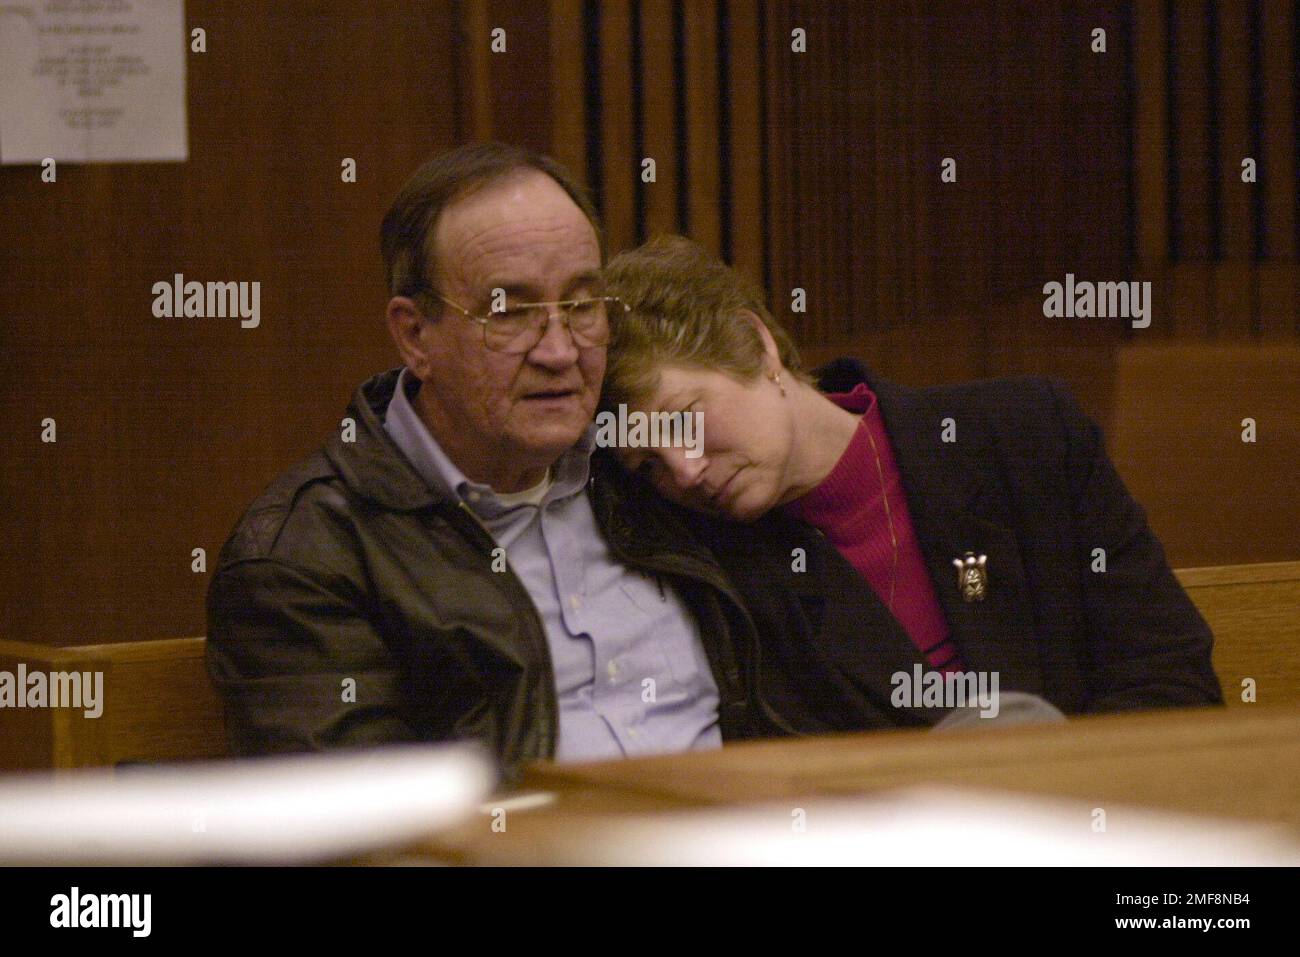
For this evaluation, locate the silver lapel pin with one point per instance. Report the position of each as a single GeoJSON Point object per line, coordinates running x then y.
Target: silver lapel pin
{"type": "Point", "coordinates": [972, 576]}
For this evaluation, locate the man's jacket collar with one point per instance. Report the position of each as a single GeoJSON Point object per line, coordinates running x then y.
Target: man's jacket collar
{"type": "Point", "coordinates": [372, 466]}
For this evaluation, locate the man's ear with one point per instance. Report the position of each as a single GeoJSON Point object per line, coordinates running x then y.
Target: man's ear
{"type": "Point", "coordinates": [773, 363]}
{"type": "Point", "coordinates": [405, 324]}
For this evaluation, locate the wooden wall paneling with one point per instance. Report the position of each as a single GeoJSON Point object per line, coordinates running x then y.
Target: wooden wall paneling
{"type": "Point", "coordinates": [1151, 136]}
{"type": "Point", "coordinates": [833, 89]}
{"type": "Point", "coordinates": [908, 250]}
{"type": "Point", "coordinates": [1277, 290]}
{"type": "Point", "coordinates": [1276, 277]}
{"type": "Point", "coordinates": [916, 261]}
{"type": "Point", "coordinates": [1278, 166]}
{"type": "Point", "coordinates": [523, 78]}
{"type": "Point", "coordinates": [476, 30]}
{"type": "Point", "coordinates": [568, 108]}
{"type": "Point", "coordinates": [943, 201]}
{"type": "Point", "coordinates": [924, 165]}
{"type": "Point", "coordinates": [1015, 214]}
{"type": "Point", "coordinates": [702, 118]}
{"type": "Point", "coordinates": [778, 187]}
{"type": "Point", "coordinates": [1191, 302]}
{"type": "Point", "coordinates": [809, 124]}
{"type": "Point", "coordinates": [620, 166]}
{"type": "Point", "coordinates": [1097, 122]}
{"type": "Point", "coordinates": [659, 123]}
{"type": "Point", "coordinates": [747, 188]}
{"type": "Point", "coordinates": [981, 41]}
{"type": "Point", "coordinates": [892, 223]}
{"type": "Point", "coordinates": [1233, 280]}
{"type": "Point", "coordinates": [1180, 406]}
{"type": "Point", "coordinates": [1192, 281]}
{"type": "Point", "coordinates": [145, 406]}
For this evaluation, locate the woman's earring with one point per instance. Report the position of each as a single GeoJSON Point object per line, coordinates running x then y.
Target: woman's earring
{"type": "Point", "coordinates": [776, 377]}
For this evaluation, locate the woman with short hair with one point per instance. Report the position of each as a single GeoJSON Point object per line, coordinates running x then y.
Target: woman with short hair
{"type": "Point", "coordinates": [876, 530]}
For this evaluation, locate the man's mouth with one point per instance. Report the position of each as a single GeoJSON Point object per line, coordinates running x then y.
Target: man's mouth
{"type": "Point", "coordinates": [550, 394]}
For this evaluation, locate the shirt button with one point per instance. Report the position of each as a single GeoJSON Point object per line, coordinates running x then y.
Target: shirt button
{"type": "Point", "coordinates": [631, 732]}
{"type": "Point", "coordinates": [575, 601]}
{"type": "Point", "coordinates": [612, 668]}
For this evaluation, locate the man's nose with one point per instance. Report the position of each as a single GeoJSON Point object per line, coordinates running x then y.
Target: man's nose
{"type": "Point", "coordinates": [556, 349]}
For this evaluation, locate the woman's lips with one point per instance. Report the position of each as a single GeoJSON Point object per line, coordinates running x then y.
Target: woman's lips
{"type": "Point", "coordinates": [720, 495]}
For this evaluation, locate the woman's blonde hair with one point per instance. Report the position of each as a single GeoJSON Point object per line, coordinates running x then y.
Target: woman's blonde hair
{"type": "Point", "coordinates": [686, 309]}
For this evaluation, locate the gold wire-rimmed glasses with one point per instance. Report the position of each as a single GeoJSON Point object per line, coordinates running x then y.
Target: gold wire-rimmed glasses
{"type": "Point", "coordinates": [518, 328]}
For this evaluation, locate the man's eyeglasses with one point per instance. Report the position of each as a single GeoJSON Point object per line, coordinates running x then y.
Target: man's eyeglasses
{"type": "Point", "coordinates": [517, 328]}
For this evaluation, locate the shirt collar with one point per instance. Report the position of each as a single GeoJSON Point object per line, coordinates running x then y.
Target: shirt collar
{"type": "Point", "coordinates": [417, 443]}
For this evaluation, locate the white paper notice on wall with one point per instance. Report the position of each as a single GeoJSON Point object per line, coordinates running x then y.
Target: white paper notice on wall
{"type": "Point", "coordinates": [92, 81]}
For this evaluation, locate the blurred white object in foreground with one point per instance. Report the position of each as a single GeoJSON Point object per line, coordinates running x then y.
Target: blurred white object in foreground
{"type": "Point", "coordinates": [281, 809]}
{"type": "Point", "coordinates": [927, 826]}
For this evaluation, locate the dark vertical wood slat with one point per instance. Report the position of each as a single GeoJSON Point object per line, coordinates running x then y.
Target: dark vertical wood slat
{"type": "Point", "coordinates": [1278, 298]}
{"type": "Point", "coordinates": [1152, 144]}
{"type": "Point", "coordinates": [621, 168]}
{"type": "Point", "coordinates": [1278, 166]}
{"type": "Point", "coordinates": [943, 200]}
{"type": "Point", "coordinates": [1278, 277]}
{"type": "Point", "coordinates": [1234, 68]}
{"type": "Point", "coordinates": [888, 158]}
{"type": "Point", "coordinates": [568, 86]}
{"type": "Point", "coordinates": [1061, 47]}
{"type": "Point", "coordinates": [1015, 82]}
{"type": "Point", "coordinates": [522, 93]}
{"type": "Point", "coordinates": [1233, 280]}
{"type": "Point", "coordinates": [809, 126]}
{"type": "Point", "coordinates": [922, 165]}
{"type": "Point", "coordinates": [477, 28]}
{"type": "Point", "coordinates": [807, 235]}
{"type": "Point", "coordinates": [915, 255]}
{"type": "Point", "coordinates": [1192, 112]}
{"type": "Point", "coordinates": [659, 132]}
{"type": "Point", "coordinates": [1151, 137]}
{"type": "Point", "coordinates": [978, 265]}
{"type": "Point", "coordinates": [780, 166]}
{"type": "Point", "coordinates": [747, 188]}
{"type": "Point", "coordinates": [1093, 132]}
{"type": "Point", "coordinates": [821, 99]}
{"type": "Point", "coordinates": [702, 114]}
{"type": "Point", "coordinates": [856, 214]}
{"type": "Point", "coordinates": [1192, 279]}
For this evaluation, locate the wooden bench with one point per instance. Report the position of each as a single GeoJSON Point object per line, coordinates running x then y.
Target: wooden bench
{"type": "Point", "coordinates": [1175, 435]}
{"type": "Point", "coordinates": [1254, 612]}
{"type": "Point", "coordinates": [160, 706]}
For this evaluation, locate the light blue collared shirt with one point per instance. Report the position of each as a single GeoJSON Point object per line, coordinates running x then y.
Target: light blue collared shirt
{"type": "Point", "coordinates": [631, 674]}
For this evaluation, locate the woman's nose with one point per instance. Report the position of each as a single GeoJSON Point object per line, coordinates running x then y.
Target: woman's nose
{"type": "Point", "coordinates": [686, 473]}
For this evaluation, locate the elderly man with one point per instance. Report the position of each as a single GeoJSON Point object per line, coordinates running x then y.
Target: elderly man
{"type": "Point", "coordinates": [456, 563]}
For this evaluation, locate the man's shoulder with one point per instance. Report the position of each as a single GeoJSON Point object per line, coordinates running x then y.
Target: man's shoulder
{"type": "Point", "coordinates": [295, 501]}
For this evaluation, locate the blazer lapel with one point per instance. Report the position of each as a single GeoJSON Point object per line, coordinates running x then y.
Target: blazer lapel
{"type": "Point", "coordinates": [867, 666]}
{"type": "Point", "coordinates": [947, 491]}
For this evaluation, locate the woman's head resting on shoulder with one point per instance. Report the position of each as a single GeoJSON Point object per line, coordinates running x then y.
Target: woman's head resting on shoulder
{"type": "Point", "coordinates": [698, 338]}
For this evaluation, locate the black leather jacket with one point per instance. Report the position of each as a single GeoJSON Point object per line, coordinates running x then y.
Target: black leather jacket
{"type": "Point", "coordinates": [354, 605]}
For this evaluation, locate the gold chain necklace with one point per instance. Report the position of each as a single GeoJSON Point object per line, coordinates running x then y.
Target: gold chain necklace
{"type": "Point", "coordinates": [893, 538]}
